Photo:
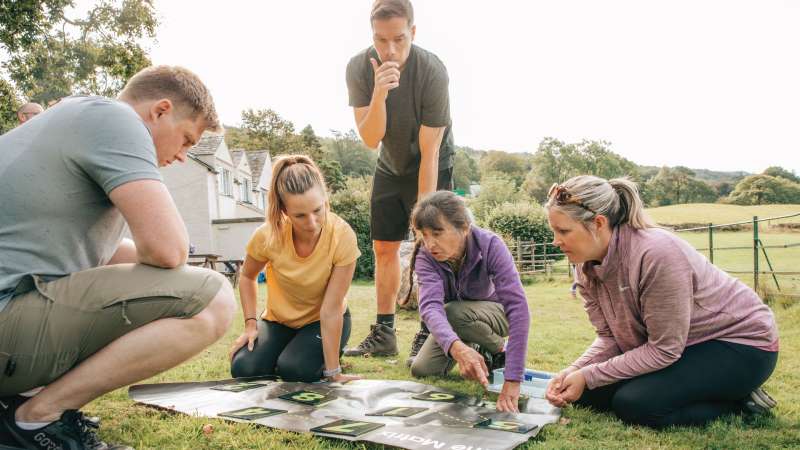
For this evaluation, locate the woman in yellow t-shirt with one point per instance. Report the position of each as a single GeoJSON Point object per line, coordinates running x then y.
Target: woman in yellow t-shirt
{"type": "Point", "coordinates": [310, 255]}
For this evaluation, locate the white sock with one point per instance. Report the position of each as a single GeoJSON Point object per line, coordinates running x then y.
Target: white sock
{"type": "Point", "coordinates": [32, 425]}
{"type": "Point", "coordinates": [32, 392]}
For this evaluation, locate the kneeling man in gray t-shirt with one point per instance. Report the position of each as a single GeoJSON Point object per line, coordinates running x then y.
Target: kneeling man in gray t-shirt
{"type": "Point", "coordinates": [82, 310]}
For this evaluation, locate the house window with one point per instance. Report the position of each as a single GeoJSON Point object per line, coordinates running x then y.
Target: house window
{"type": "Point", "coordinates": [245, 186]}
{"type": "Point", "coordinates": [260, 197]}
{"type": "Point", "coordinates": [224, 181]}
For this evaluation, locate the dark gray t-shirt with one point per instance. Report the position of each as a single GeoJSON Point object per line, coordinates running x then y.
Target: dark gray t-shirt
{"type": "Point", "coordinates": [56, 172]}
{"type": "Point", "coordinates": [421, 98]}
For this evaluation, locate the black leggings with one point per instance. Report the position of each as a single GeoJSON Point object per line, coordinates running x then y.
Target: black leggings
{"type": "Point", "coordinates": [292, 354]}
{"type": "Point", "coordinates": [709, 380]}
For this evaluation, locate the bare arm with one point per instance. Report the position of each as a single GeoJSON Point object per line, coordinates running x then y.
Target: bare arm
{"type": "Point", "coordinates": [430, 139]}
{"type": "Point", "coordinates": [248, 295]}
{"type": "Point", "coordinates": [125, 253]}
{"type": "Point", "coordinates": [159, 234]}
{"type": "Point", "coordinates": [333, 307]}
{"type": "Point", "coordinates": [248, 286]}
{"type": "Point", "coordinates": [371, 122]}
{"type": "Point", "coordinates": [371, 119]}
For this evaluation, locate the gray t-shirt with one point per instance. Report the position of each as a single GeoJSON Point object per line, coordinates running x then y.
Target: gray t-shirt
{"type": "Point", "coordinates": [421, 98]}
{"type": "Point", "coordinates": [56, 172]}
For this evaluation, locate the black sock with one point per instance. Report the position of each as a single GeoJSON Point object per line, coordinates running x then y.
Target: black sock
{"type": "Point", "coordinates": [386, 319]}
{"type": "Point", "coordinates": [424, 328]}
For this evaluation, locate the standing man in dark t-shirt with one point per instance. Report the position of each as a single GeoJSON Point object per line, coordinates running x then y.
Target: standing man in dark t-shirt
{"type": "Point", "coordinates": [400, 99]}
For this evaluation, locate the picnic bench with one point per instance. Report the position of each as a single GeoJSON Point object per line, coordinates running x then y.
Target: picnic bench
{"type": "Point", "coordinates": [228, 267]}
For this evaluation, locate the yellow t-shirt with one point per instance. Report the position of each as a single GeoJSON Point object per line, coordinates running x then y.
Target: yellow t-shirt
{"type": "Point", "coordinates": [295, 285]}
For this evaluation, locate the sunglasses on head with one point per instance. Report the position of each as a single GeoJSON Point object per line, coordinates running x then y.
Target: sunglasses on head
{"type": "Point", "coordinates": [561, 196]}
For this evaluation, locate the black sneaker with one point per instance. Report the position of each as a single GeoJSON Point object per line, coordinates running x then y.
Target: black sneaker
{"type": "Point", "coordinates": [416, 345]}
{"type": "Point", "coordinates": [8, 405]}
{"type": "Point", "coordinates": [381, 341]}
{"type": "Point", "coordinates": [72, 431]}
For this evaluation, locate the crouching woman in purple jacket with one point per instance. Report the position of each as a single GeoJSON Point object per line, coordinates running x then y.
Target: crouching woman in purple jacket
{"type": "Point", "coordinates": [470, 298]}
{"type": "Point", "coordinates": [679, 341]}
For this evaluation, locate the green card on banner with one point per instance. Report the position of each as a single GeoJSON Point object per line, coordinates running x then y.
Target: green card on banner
{"type": "Point", "coordinates": [238, 387]}
{"type": "Point", "coordinates": [398, 411]}
{"type": "Point", "coordinates": [506, 425]}
{"type": "Point", "coordinates": [256, 412]}
{"type": "Point", "coordinates": [347, 427]}
{"type": "Point", "coordinates": [434, 396]}
{"type": "Point", "coordinates": [310, 398]}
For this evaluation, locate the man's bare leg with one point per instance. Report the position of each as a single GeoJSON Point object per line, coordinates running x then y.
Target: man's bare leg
{"type": "Point", "coordinates": [133, 357]}
{"type": "Point", "coordinates": [387, 274]}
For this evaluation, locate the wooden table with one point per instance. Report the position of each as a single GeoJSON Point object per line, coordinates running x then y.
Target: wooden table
{"type": "Point", "coordinates": [232, 268]}
{"type": "Point", "coordinates": [207, 260]}
{"type": "Point", "coordinates": [228, 267]}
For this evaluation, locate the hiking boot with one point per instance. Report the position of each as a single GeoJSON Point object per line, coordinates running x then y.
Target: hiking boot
{"type": "Point", "coordinates": [759, 402]}
{"type": "Point", "coordinates": [498, 361]}
{"type": "Point", "coordinates": [416, 345]}
{"type": "Point", "coordinates": [72, 431]}
{"type": "Point", "coordinates": [381, 341]}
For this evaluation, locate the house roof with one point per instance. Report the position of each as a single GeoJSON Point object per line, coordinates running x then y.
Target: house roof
{"type": "Point", "coordinates": [237, 156]}
{"type": "Point", "coordinates": [208, 144]}
{"type": "Point", "coordinates": [257, 160]}
{"type": "Point", "coordinates": [202, 163]}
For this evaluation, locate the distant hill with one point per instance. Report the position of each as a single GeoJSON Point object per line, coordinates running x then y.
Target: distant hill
{"type": "Point", "coordinates": [709, 176]}
{"type": "Point", "coordinates": [647, 172]}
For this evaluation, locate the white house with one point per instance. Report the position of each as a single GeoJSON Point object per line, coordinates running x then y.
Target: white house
{"type": "Point", "coordinates": [221, 195]}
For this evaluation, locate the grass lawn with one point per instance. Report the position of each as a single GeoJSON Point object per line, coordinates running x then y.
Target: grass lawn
{"type": "Point", "coordinates": [559, 333]}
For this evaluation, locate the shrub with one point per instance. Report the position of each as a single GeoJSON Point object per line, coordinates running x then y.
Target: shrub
{"type": "Point", "coordinates": [521, 220]}
{"type": "Point", "coordinates": [352, 204]}
{"type": "Point", "coordinates": [495, 190]}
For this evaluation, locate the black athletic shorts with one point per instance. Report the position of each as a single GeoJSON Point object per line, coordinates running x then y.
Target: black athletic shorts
{"type": "Point", "coordinates": [393, 198]}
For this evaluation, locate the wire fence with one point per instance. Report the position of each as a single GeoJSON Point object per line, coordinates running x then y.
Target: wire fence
{"type": "Point", "coordinates": [763, 255]}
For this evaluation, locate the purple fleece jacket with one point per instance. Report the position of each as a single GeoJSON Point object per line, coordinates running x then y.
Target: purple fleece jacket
{"type": "Point", "coordinates": [488, 273]}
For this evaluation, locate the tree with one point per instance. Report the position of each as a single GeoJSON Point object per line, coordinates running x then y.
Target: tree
{"type": "Point", "coordinates": [52, 56]}
{"type": "Point", "coordinates": [673, 186]}
{"type": "Point", "coordinates": [465, 170]}
{"type": "Point", "coordinates": [777, 171]}
{"type": "Point", "coordinates": [765, 189]}
{"type": "Point", "coordinates": [354, 157]}
{"type": "Point", "coordinates": [511, 165]}
{"type": "Point", "coordinates": [266, 129]}
{"type": "Point", "coordinates": [23, 23]}
{"type": "Point", "coordinates": [556, 162]}
{"type": "Point", "coordinates": [9, 105]}
{"type": "Point", "coordinates": [310, 144]}
{"type": "Point", "coordinates": [352, 204]}
{"type": "Point", "coordinates": [723, 188]}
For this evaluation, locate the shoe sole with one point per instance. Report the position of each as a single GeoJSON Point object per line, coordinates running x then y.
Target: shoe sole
{"type": "Point", "coordinates": [372, 354]}
{"type": "Point", "coordinates": [762, 399]}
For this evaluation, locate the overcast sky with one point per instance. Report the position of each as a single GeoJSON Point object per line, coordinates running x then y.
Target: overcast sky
{"type": "Point", "coordinates": [706, 84]}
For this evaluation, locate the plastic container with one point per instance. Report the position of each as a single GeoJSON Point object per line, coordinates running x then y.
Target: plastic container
{"type": "Point", "coordinates": [534, 382]}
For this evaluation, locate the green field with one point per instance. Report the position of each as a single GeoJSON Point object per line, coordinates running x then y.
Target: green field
{"type": "Point", "coordinates": [718, 213]}
{"type": "Point", "coordinates": [559, 333]}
